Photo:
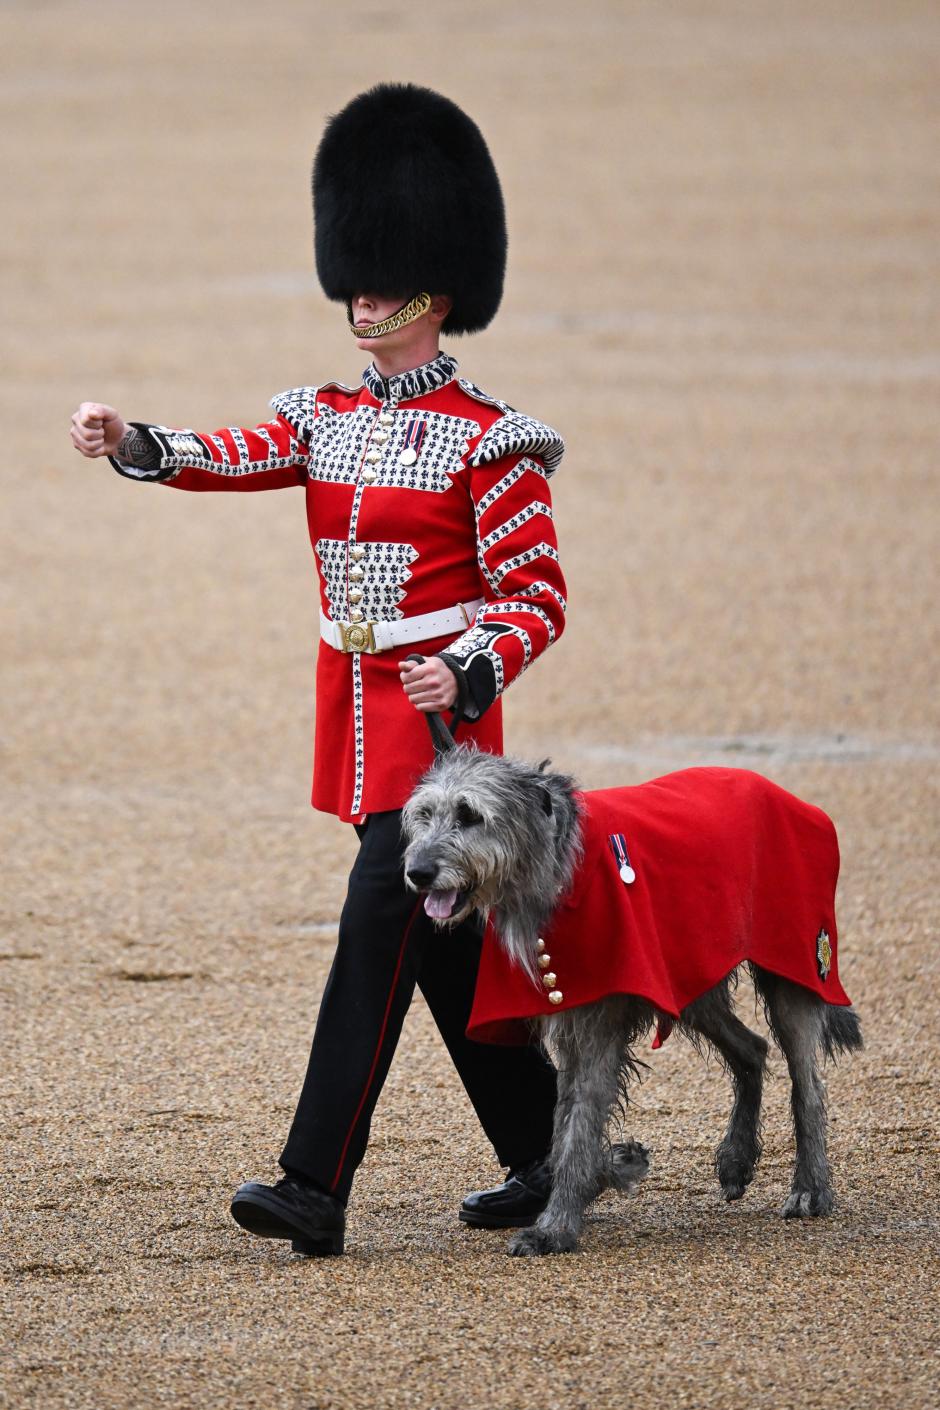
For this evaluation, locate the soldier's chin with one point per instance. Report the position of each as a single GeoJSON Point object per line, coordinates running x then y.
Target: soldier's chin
{"type": "Point", "coordinates": [448, 908]}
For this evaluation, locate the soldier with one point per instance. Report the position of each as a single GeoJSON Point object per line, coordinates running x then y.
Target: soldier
{"type": "Point", "coordinates": [430, 519]}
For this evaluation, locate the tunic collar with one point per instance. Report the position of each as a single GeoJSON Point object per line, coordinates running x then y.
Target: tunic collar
{"type": "Point", "coordinates": [417, 382]}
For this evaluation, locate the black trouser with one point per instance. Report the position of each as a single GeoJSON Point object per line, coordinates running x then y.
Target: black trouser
{"type": "Point", "coordinates": [387, 944]}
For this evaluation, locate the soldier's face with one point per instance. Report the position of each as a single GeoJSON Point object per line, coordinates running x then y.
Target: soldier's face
{"type": "Point", "coordinates": [418, 337]}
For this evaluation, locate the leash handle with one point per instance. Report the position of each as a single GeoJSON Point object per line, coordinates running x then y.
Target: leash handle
{"type": "Point", "coordinates": [441, 734]}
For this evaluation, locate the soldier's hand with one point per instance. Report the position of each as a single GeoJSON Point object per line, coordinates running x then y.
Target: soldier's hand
{"type": "Point", "coordinates": [97, 429]}
{"type": "Point", "coordinates": [430, 687]}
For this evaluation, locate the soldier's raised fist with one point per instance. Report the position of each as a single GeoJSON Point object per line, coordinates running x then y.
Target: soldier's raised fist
{"type": "Point", "coordinates": [97, 429]}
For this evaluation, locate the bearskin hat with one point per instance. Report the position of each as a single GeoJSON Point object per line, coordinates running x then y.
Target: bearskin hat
{"type": "Point", "coordinates": [406, 200]}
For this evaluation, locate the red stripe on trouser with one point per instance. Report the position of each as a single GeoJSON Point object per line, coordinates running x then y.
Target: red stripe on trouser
{"type": "Point", "coordinates": [378, 1047]}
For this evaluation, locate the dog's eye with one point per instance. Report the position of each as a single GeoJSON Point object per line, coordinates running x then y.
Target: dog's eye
{"type": "Point", "coordinates": [467, 816]}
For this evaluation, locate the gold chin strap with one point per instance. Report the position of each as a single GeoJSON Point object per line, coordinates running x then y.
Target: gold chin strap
{"type": "Point", "coordinates": [408, 312]}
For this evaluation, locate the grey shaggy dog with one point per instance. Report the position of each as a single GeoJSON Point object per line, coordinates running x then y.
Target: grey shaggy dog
{"type": "Point", "coordinates": [499, 836]}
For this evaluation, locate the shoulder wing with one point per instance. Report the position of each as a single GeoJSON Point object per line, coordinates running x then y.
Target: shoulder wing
{"type": "Point", "coordinates": [514, 433]}
{"type": "Point", "coordinates": [298, 406]}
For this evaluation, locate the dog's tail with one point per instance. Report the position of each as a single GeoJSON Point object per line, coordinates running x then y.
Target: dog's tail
{"type": "Point", "coordinates": [842, 1031]}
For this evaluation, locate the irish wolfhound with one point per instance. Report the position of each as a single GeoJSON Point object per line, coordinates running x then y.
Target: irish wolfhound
{"type": "Point", "coordinates": [492, 834]}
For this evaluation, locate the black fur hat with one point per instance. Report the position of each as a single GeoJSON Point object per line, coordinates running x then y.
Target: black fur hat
{"type": "Point", "coordinates": [406, 200]}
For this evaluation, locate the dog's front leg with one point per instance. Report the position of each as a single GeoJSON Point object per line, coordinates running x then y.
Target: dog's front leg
{"type": "Point", "coordinates": [587, 1093]}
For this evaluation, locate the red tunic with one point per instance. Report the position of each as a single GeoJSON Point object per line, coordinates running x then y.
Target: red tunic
{"type": "Point", "coordinates": [728, 867]}
{"type": "Point", "coordinates": [422, 493]}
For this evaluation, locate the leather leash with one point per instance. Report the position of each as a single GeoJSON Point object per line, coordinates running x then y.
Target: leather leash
{"type": "Point", "coordinates": [441, 734]}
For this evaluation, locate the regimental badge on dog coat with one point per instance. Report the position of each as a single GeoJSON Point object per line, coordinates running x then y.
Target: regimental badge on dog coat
{"type": "Point", "coordinates": [726, 867]}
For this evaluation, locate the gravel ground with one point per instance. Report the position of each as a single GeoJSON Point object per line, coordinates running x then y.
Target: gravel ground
{"type": "Point", "coordinates": [723, 290]}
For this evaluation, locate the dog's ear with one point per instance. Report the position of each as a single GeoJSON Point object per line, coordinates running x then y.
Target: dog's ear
{"type": "Point", "coordinates": [546, 800]}
{"type": "Point", "coordinates": [543, 766]}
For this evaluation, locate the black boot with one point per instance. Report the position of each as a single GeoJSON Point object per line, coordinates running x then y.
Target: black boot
{"type": "Point", "coordinates": [515, 1204]}
{"type": "Point", "coordinates": [294, 1209]}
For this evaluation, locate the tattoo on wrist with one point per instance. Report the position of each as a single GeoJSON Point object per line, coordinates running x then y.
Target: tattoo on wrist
{"type": "Point", "coordinates": [134, 448]}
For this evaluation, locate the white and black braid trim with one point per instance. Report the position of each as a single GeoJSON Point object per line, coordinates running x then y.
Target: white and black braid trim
{"type": "Point", "coordinates": [159, 453]}
{"type": "Point", "coordinates": [509, 526]}
{"type": "Point", "coordinates": [405, 386]}
{"type": "Point", "coordinates": [517, 434]}
{"type": "Point", "coordinates": [510, 478]}
{"type": "Point", "coordinates": [473, 655]}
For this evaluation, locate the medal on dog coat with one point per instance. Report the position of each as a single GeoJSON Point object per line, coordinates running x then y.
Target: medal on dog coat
{"type": "Point", "coordinates": [681, 880]}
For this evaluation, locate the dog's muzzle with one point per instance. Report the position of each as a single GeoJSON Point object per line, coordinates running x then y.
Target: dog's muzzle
{"type": "Point", "coordinates": [440, 903]}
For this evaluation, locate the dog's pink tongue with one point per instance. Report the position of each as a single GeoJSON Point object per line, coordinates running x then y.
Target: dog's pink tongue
{"type": "Point", "coordinates": [439, 904]}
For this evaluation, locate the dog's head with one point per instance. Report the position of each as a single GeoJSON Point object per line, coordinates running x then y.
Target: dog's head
{"type": "Point", "coordinates": [472, 825]}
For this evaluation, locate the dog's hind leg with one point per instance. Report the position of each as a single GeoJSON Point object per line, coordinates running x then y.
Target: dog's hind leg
{"type": "Point", "coordinates": [797, 1018]}
{"type": "Point", "coordinates": [744, 1055]}
{"type": "Point", "coordinates": [588, 1047]}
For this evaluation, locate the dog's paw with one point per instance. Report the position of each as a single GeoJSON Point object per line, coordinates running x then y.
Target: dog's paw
{"type": "Point", "coordinates": [629, 1164]}
{"type": "Point", "coordinates": [535, 1242]}
{"type": "Point", "coordinates": [807, 1204]}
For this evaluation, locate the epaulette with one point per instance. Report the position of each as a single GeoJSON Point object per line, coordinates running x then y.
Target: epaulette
{"type": "Point", "coordinates": [474, 391]}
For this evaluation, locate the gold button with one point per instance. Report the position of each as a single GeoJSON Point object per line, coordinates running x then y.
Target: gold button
{"type": "Point", "coordinates": [540, 945]}
{"type": "Point", "coordinates": [544, 961]}
{"type": "Point", "coordinates": [358, 551]}
{"type": "Point", "coordinates": [368, 474]}
{"type": "Point", "coordinates": [386, 418]}
{"type": "Point", "coordinates": [555, 997]}
{"type": "Point", "coordinates": [355, 615]}
{"type": "Point", "coordinates": [355, 594]}
{"type": "Point", "coordinates": [356, 574]}
{"type": "Point", "coordinates": [549, 980]}
{"type": "Point", "coordinates": [380, 437]}
{"type": "Point", "coordinates": [373, 456]}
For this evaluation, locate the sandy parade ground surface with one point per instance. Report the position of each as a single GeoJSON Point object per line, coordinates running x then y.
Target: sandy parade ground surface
{"type": "Point", "coordinates": [723, 290]}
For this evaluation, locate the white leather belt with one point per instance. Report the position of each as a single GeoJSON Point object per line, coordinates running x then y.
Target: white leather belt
{"type": "Point", "coordinates": [382, 636]}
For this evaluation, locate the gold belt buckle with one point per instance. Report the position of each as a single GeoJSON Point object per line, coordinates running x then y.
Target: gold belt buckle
{"type": "Point", "coordinates": [357, 636]}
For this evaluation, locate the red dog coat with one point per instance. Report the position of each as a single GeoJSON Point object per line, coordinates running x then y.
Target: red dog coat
{"type": "Point", "coordinates": [681, 880]}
